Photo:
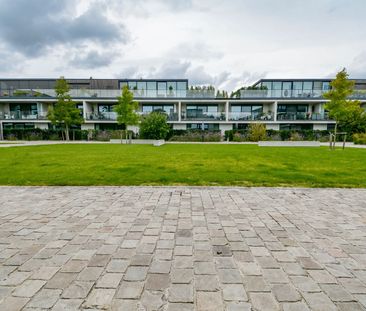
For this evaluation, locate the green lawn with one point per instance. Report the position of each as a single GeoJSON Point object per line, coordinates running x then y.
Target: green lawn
{"type": "Point", "coordinates": [238, 165]}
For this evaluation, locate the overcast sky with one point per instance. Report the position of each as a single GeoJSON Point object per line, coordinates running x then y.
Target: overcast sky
{"type": "Point", "coordinates": [225, 43]}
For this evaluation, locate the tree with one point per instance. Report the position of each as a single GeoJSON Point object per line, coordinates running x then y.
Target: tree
{"type": "Point", "coordinates": [126, 110]}
{"type": "Point", "coordinates": [343, 110]}
{"type": "Point", "coordinates": [154, 126]}
{"type": "Point", "coordinates": [65, 113]}
{"type": "Point", "coordinates": [257, 132]}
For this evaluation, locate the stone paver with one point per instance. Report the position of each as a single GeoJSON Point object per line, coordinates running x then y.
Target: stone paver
{"type": "Point", "coordinates": [182, 248]}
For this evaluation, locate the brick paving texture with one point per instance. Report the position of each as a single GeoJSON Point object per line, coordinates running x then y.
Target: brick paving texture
{"type": "Point", "coordinates": [182, 248]}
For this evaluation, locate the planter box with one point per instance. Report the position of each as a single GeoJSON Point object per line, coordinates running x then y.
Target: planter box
{"type": "Point", "coordinates": [154, 142]}
{"type": "Point", "coordinates": [289, 144]}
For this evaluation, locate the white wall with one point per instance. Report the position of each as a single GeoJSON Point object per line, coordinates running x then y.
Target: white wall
{"type": "Point", "coordinates": [179, 126]}
{"type": "Point", "coordinates": [319, 127]}
{"type": "Point", "coordinates": [225, 127]}
{"type": "Point", "coordinates": [133, 128]}
{"type": "Point", "coordinates": [275, 127]}
{"type": "Point", "coordinates": [87, 126]}
{"type": "Point", "coordinates": [43, 126]}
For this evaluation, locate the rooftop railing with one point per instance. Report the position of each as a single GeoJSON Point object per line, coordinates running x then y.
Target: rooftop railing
{"type": "Point", "coordinates": [299, 94]}
{"type": "Point", "coordinates": [166, 94]}
{"type": "Point", "coordinates": [98, 93]}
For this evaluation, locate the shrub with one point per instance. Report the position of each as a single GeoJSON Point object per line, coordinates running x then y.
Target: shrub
{"type": "Point", "coordinates": [154, 126]}
{"type": "Point", "coordinates": [257, 132]}
{"type": "Point", "coordinates": [359, 139]}
{"type": "Point", "coordinates": [295, 136]}
{"type": "Point", "coordinates": [197, 136]}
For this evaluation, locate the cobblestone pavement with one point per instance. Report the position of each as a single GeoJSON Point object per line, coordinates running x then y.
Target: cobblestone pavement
{"type": "Point", "coordinates": [180, 248]}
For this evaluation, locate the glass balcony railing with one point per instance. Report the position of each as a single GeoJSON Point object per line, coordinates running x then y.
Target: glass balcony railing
{"type": "Point", "coordinates": [189, 115]}
{"type": "Point", "coordinates": [173, 116]}
{"type": "Point", "coordinates": [23, 115]}
{"type": "Point", "coordinates": [89, 93]}
{"type": "Point", "coordinates": [301, 116]}
{"type": "Point", "coordinates": [100, 116]}
{"type": "Point", "coordinates": [245, 116]}
{"type": "Point", "coordinates": [300, 94]}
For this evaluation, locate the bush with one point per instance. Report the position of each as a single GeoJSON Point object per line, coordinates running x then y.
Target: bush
{"type": "Point", "coordinates": [197, 136]}
{"type": "Point", "coordinates": [295, 136]}
{"type": "Point", "coordinates": [257, 132]}
{"type": "Point", "coordinates": [359, 139]}
{"type": "Point", "coordinates": [154, 126]}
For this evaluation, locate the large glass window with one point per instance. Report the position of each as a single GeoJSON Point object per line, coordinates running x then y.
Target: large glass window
{"type": "Point", "coordinates": [286, 89]}
{"type": "Point", "coordinates": [105, 108]}
{"type": "Point", "coordinates": [132, 85]}
{"type": "Point", "coordinates": [141, 85]}
{"type": "Point", "coordinates": [181, 89]}
{"type": "Point", "coordinates": [297, 88]}
{"type": "Point", "coordinates": [308, 85]}
{"type": "Point", "coordinates": [161, 88]}
{"type": "Point", "coordinates": [277, 89]}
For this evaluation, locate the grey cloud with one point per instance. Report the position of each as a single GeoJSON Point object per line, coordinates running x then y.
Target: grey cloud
{"type": "Point", "coordinates": [32, 26]}
{"type": "Point", "coordinates": [195, 50]}
{"type": "Point", "coordinates": [92, 59]}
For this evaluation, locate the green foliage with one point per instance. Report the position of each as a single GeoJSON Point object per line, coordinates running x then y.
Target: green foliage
{"type": "Point", "coordinates": [154, 126]}
{"type": "Point", "coordinates": [284, 135]}
{"type": "Point", "coordinates": [359, 139]}
{"type": "Point", "coordinates": [257, 132]}
{"type": "Point", "coordinates": [64, 112]}
{"type": "Point", "coordinates": [126, 108]}
{"type": "Point", "coordinates": [196, 136]}
{"type": "Point", "coordinates": [347, 113]}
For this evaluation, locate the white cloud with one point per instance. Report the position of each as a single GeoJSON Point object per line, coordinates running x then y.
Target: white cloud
{"type": "Point", "coordinates": [225, 43]}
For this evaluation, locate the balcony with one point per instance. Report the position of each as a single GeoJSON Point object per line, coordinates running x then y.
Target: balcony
{"type": "Point", "coordinates": [192, 115]}
{"type": "Point", "coordinates": [102, 116]}
{"type": "Point", "coordinates": [170, 116]}
{"type": "Point", "coordinates": [302, 116]}
{"type": "Point", "coordinates": [245, 116]}
{"type": "Point", "coordinates": [23, 115]}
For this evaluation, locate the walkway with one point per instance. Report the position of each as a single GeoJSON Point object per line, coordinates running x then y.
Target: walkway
{"type": "Point", "coordinates": [145, 248]}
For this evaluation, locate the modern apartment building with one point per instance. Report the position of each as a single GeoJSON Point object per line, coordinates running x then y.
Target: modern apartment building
{"type": "Point", "coordinates": [277, 103]}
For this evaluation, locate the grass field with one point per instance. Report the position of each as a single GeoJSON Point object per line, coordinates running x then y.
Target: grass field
{"type": "Point", "coordinates": [238, 165]}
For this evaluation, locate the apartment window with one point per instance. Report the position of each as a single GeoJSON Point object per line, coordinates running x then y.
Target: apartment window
{"type": "Point", "coordinates": [132, 85]}
{"type": "Point", "coordinates": [141, 85]}
{"type": "Point", "coordinates": [308, 85]}
{"type": "Point", "coordinates": [286, 89]}
{"type": "Point", "coordinates": [267, 84]}
{"type": "Point", "coordinates": [105, 108]}
{"type": "Point", "coordinates": [326, 86]}
{"type": "Point", "coordinates": [168, 109]}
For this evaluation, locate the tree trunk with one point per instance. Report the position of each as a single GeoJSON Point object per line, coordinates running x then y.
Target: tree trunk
{"type": "Point", "coordinates": [126, 133]}
{"type": "Point", "coordinates": [67, 133]}
{"type": "Point", "coordinates": [121, 137]}
{"type": "Point", "coordinates": [335, 135]}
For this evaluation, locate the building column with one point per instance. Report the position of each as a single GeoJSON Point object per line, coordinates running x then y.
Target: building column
{"type": "Point", "coordinates": [179, 111]}
{"type": "Point", "coordinates": [1, 130]}
{"type": "Point", "coordinates": [227, 111]}
{"type": "Point", "coordinates": [84, 109]}
{"type": "Point", "coordinates": [275, 111]}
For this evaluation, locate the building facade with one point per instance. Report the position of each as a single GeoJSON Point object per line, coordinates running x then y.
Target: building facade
{"type": "Point", "coordinates": [277, 103]}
